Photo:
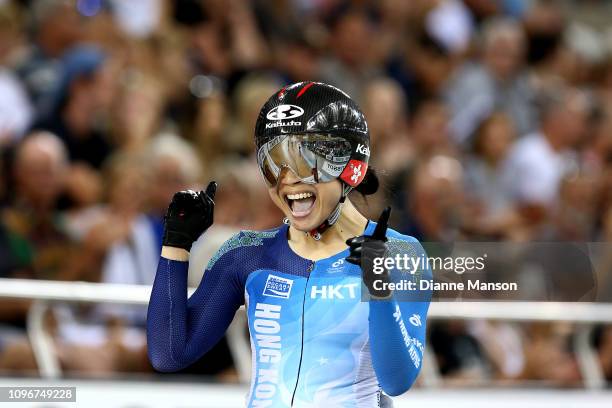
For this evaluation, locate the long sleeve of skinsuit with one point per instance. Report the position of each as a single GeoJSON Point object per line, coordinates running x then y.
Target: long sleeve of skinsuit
{"type": "Point", "coordinates": [181, 330]}
{"type": "Point", "coordinates": [397, 327]}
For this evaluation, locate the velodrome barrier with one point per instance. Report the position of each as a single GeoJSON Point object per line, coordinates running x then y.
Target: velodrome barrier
{"type": "Point", "coordinates": [45, 293]}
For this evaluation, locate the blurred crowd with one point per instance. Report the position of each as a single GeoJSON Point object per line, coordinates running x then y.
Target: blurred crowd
{"type": "Point", "coordinates": [491, 120]}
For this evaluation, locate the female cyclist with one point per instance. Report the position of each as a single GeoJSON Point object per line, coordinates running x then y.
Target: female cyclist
{"type": "Point", "coordinates": [317, 338]}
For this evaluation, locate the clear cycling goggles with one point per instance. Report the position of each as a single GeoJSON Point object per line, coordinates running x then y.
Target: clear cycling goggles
{"type": "Point", "coordinates": [313, 158]}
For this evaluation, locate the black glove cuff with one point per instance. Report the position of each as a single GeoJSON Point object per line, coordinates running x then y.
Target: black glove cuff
{"type": "Point", "coordinates": [178, 240]}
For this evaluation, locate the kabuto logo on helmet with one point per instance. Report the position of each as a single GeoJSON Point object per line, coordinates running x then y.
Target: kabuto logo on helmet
{"type": "Point", "coordinates": [282, 112]}
{"type": "Point", "coordinates": [283, 124]}
{"type": "Point", "coordinates": [354, 172]}
{"type": "Point", "coordinates": [363, 149]}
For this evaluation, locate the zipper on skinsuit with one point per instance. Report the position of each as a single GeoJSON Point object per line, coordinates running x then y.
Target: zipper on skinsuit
{"type": "Point", "coordinates": [297, 380]}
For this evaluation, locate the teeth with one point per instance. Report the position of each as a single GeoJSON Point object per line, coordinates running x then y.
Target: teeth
{"type": "Point", "coordinates": [298, 196]}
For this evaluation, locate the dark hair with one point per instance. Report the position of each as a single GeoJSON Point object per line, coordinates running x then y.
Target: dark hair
{"type": "Point", "coordinates": [477, 140]}
{"type": "Point", "coordinates": [370, 183]}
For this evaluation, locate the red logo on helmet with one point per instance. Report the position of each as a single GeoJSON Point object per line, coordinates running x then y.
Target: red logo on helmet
{"type": "Point", "coordinates": [354, 172]}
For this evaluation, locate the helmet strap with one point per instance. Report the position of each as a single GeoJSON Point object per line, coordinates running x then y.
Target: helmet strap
{"type": "Point", "coordinates": [333, 217]}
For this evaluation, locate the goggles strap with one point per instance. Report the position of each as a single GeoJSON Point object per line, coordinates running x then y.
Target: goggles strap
{"type": "Point", "coordinates": [333, 217]}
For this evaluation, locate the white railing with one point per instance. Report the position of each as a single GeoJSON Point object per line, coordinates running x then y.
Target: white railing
{"type": "Point", "coordinates": [44, 293]}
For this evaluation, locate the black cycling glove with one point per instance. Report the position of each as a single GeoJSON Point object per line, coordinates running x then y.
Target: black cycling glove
{"type": "Point", "coordinates": [190, 214]}
{"type": "Point", "coordinates": [364, 249]}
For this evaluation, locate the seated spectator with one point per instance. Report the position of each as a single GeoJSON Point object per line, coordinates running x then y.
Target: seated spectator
{"type": "Point", "coordinates": [538, 162]}
{"type": "Point", "coordinates": [423, 68]}
{"type": "Point", "coordinates": [82, 93]}
{"type": "Point", "coordinates": [573, 217]}
{"type": "Point", "coordinates": [547, 355]}
{"type": "Point", "coordinates": [39, 170]}
{"type": "Point", "coordinates": [140, 95]}
{"type": "Point", "coordinates": [434, 200]}
{"type": "Point", "coordinates": [493, 210]}
{"type": "Point", "coordinates": [385, 107]}
{"type": "Point", "coordinates": [56, 26]}
{"type": "Point", "coordinates": [120, 234]}
{"type": "Point", "coordinates": [174, 166]}
{"type": "Point", "coordinates": [451, 23]}
{"type": "Point", "coordinates": [248, 95]}
{"type": "Point", "coordinates": [428, 137]}
{"type": "Point", "coordinates": [350, 65]}
{"type": "Point", "coordinates": [491, 145]}
{"type": "Point", "coordinates": [39, 246]}
{"type": "Point", "coordinates": [391, 145]}
{"type": "Point", "coordinates": [15, 109]}
{"type": "Point", "coordinates": [497, 81]}
{"type": "Point", "coordinates": [430, 131]}
{"type": "Point", "coordinates": [459, 355]}
{"type": "Point", "coordinates": [502, 344]}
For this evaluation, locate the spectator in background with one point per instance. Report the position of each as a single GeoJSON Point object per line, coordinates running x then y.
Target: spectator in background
{"type": "Point", "coordinates": [428, 137]}
{"type": "Point", "coordinates": [493, 210]}
{"type": "Point", "coordinates": [385, 107]}
{"type": "Point", "coordinates": [40, 247]}
{"type": "Point", "coordinates": [502, 343]}
{"type": "Point", "coordinates": [56, 26]}
{"type": "Point", "coordinates": [82, 99]}
{"type": "Point", "coordinates": [430, 130]}
{"type": "Point", "coordinates": [40, 169]}
{"type": "Point", "coordinates": [538, 162]}
{"type": "Point", "coordinates": [237, 179]}
{"type": "Point", "coordinates": [459, 355]}
{"type": "Point", "coordinates": [451, 23]}
{"type": "Point", "coordinates": [547, 355]}
{"type": "Point", "coordinates": [553, 64]}
{"type": "Point", "coordinates": [598, 147]}
{"type": "Point", "coordinates": [573, 217]}
{"type": "Point", "coordinates": [12, 35]}
{"type": "Point", "coordinates": [298, 60]}
{"type": "Point", "coordinates": [121, 232]}
{"type": "Point", "coordinates": [136, 113]}
{"type": "Point", "coordinates": [121, 236]}
{"type": "Point", "coordinates": [174, 166]}
{"type": "Point", "coordinates": [226, 39]}
{"type": "Point", "coordinates": [138, 19]}
{"type": "Point", "coordinates": [434, 199]}
{"type": "Point", "coordinates": [82, 94]}
{"type": "Point", "coordinates": [491, 144]}
{"type": "Point", "coordinates": [249, 94]}
{"type": "Point", "coordinates": [393, 18]}
{"type": "Point", "coordinates": [211, 126]}
{"type": "Point", "coordinates": [280, 20]}
{"type": "Point", "coordinates": [497, 81]}
{"type": "Point", "coordinates": [15, 110]}
{"type": "Point", "coordinates": [3, 178]}
{"type": "Point", "coordinates": [350, 64]}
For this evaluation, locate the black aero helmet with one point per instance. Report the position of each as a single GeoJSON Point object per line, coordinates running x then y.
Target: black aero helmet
{"type": "Point", "coordinates": [317, 131]}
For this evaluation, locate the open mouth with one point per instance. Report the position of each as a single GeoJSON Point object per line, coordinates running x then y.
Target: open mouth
{"type": "Point", "coordinates": [301, 204]}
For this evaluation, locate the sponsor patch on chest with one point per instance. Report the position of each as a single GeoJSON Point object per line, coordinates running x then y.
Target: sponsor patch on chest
{"type": "Point", "coordinates": [277, 286]}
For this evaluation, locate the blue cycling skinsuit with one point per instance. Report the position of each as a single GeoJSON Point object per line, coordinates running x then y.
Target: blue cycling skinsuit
{"type": "Point", "coordinates": [314, 341]}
